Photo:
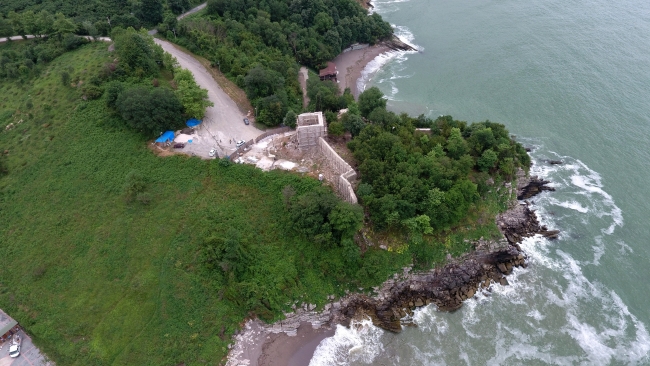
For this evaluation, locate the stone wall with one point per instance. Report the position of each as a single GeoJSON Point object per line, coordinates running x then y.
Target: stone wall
{"type": "Point", "coordinates": [342, 168]}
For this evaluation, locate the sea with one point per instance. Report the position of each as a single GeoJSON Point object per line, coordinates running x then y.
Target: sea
{"type": "Point", "coordinates": [571, 80]}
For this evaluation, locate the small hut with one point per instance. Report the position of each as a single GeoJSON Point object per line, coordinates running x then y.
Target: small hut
{"type": "Point", "coordinates": [329, 73]}
{"type": "Point", "coordinates": [8, 326]}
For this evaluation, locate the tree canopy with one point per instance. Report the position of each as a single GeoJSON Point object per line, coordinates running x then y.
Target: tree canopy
{"type": "Point", "coordinates": [192, 97]}
{"type": "Point", "coordinates": [151, 111]}
{"type": "Point", "coordinates": [258, 43]}
{"type": "Point", "coordinates": [425, 181]}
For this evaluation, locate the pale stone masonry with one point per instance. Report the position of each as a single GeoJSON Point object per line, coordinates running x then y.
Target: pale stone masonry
{"type": "Point", "coordinates": [310, 127]}
{"type": "Point", "coordinates": [342, 168]}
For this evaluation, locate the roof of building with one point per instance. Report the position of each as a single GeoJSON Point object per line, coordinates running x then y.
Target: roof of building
{"type": "Point", "coordinates": [329, 70]}
{"type": "Point", "coordinates": [167, 136]}
{"type": "Point", "coordinates": [6, 323]}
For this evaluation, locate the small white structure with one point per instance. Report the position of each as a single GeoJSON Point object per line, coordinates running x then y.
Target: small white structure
{"type": "Point", "coordinates": [311, 126]}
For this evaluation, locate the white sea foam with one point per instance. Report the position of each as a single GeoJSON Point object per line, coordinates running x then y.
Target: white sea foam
{"type": "Point", "coordinates": [372, 67]}
{"type": "Point", "coordinates": [385, 6]}
{"type": "Point", "coordinates": [358, 343]}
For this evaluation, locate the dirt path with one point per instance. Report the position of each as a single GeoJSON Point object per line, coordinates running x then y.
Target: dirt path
{"type": "Point", "coordinates": [303, 75]}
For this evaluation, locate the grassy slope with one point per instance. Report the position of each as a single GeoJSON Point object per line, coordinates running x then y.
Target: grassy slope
{"type": "Point", "coordinates": [98, 281]}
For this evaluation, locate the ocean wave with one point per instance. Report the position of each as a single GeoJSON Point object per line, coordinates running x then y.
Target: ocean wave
{"type": "Point", "coordinates": [358, 343]}
{"type": "Point", "coordinates": [385, 6]}
{"type": "Point", "coordinates": [373, 66]}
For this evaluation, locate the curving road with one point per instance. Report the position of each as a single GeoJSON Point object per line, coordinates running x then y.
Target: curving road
{"type": "Point", "coordinates": [222, 122]}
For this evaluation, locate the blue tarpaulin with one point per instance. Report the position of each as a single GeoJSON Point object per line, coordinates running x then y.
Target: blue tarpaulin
{"type": "Point", "coordinates": [167, 136]}
{"type": "Point", "coordinates": [193, 122]}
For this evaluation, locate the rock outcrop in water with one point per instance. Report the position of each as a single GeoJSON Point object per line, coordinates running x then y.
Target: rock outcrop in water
{"type": "Point", "coordinates": [527, 188]}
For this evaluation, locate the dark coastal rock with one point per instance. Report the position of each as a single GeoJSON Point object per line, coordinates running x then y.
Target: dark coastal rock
{"type": "Point", "coordinates": [517, 223]}
{"type": "Point", "coordinates": [550, 234]}
{"type": "Point", "coordinates": [533, 187]}
{"type": "Point", "coordinates": [398, 45]}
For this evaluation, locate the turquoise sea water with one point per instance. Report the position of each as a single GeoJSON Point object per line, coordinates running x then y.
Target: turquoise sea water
{"type": "Point", "coordinates": [572, 81]}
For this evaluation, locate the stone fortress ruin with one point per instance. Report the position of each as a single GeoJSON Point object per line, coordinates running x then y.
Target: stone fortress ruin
{"type": "Point", "coordinates": [304, 150]}
{"type": "Point", "coordinates": [311, 130]}
{"type": "Point", "coordinates": [310, 127]}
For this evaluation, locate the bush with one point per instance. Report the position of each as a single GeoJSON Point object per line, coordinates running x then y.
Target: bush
{"type": "Point", "coordinates": [150, 111]}
{"type": "Point", "coordinates": [134, 185]}
{"type": "Point", "coordinates": [92, 91]}
{"type": "Point", "coordinates": [113, 90]}
{"type": "Point", "coordinates": [290, 119]}
{"type": "Point", "coordinates": [72, 42]}
{"type": "Point", "coordinates": [65, 78]}
{"type": "Point", "coordinates": [336, 129]}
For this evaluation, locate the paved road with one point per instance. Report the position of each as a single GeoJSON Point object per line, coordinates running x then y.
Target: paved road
{"type": "Point", "coordinates": [16, 38]}
{"type": "Point", "coordinates": [189, 12]}
{"type": "Point", "coordinates": [29, 354]}
{"type": "Point", "coordinates": [192, 11]}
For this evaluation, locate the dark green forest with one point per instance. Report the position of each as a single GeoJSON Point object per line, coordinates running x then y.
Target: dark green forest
{"type": "Point", "coordinates": [100, 15]}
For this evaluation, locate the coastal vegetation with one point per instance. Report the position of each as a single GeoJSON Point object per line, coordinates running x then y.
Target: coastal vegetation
{"type": "Point", "coordinates": [260, 44]}
{"type": "Point", "coordinates": [113, 255]}
{"type": "Point", "coordinates": [92, 17]}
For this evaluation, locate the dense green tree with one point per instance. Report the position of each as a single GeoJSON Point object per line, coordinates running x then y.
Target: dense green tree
{"type": "Point", "coordinates": [150, 111]}
{"type": "Point", "coordinates": [44, 23]}
{"type": "Point", "coordinates": [409, 179]}
{"type": "Point", "coordinates": [371, 99]}
{"type": "Point", "coordinates": [487, 160]}
{"type": "Point", "coordinates": [178, 6]}
{"type": "Point", "coordinates": [290, 119]}
{"type": "Point", "coordinates": [456, 145]}
{"type": "Point", "coordinates": [63, 25]}
{"type": "Point", "coordinates": [192, 97]}
{"type": "Point", "coordinates": [353, 123]}
{"type": "Point", "coordinates": [262, 82]}
{"type": "Point", "coordinates": [113, 90]}
{"type": "Point", "coordinates": [136, 51]}
{"type": "Point", "coordinates": [324, 96]}
{"type": "Point", "coordinates": [150, 11]}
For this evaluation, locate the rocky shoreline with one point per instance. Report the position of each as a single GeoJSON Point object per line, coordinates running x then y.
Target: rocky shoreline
{"type": "Point", "coordinates": [446, 287]}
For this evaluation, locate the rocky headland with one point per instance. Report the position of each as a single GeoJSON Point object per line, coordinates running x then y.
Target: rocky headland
{"type": "Point", "coordinates": [446, 287]}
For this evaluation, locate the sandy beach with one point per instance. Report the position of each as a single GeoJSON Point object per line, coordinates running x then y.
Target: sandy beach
{"type": "Point", "coordinates": [256, 345]}
{"type": "Point", "coordinates": [350, 65]}
{"type": "Point", "coordinates": [284, 350]}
